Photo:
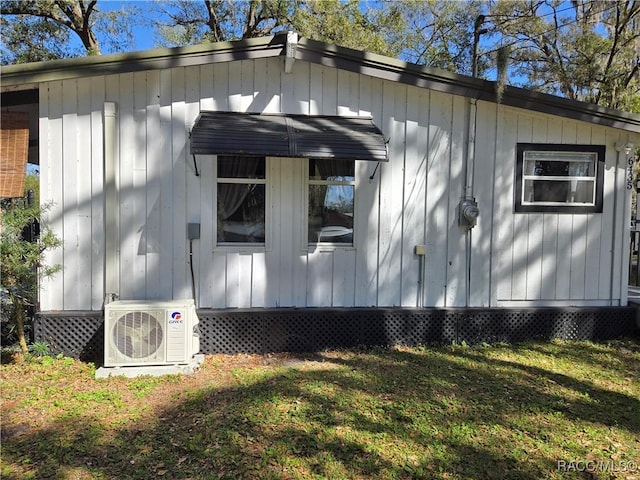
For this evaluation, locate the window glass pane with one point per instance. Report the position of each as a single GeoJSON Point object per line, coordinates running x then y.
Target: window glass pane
{"type": "Point", "coordinates": [550, 155]}
{"type": "Point", "coordinates": [575, 164]}
{"type": "Point", "coordinates": [559, 191]}
{"type": "Point", "coordinates": [241, 167]}
{"type": "Point", "coordinates": [331, 213]}
{"type": "Point", "coordinates": [560, 169]}
{"type": "Point", "coordinates": [241, 213]}
{"type": "Point", "coordinates": [334, 170]}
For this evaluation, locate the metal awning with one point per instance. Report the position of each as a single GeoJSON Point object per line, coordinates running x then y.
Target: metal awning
{"type": "Point", "coordinates": [280, 135]}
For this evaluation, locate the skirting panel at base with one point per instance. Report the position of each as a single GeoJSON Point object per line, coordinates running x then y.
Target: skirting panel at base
{"type": "Point", "coordinates": [77, 334]}
{"type": "Point", "coordinates": [80, 334]}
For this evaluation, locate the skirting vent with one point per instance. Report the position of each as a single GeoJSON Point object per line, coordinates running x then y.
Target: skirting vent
{"type": "Point", "coordinates": [80, 334]}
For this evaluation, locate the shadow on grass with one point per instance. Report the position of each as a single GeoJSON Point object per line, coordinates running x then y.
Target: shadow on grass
{"type": "Point", "coordinates": [597, 355]}
{"type": "Point", "coordinates": [437, 413]}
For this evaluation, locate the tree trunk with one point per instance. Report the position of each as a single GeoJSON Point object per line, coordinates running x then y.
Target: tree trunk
{"type": "Point", "coordinates": [214, 23]}
{"type": "Point", "coordinates": [19, 317]}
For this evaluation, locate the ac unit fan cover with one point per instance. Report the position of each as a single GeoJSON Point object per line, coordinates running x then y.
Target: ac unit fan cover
{"type": "Point", "coordinates": [137, 334]}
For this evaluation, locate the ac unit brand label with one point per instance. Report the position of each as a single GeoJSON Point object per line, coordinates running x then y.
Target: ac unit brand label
{"type": "Point", "coordinates": [175, 320]}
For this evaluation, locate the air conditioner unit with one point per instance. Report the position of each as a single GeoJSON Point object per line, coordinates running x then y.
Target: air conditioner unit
{"type": "Point", "coordinates": [150, 333]}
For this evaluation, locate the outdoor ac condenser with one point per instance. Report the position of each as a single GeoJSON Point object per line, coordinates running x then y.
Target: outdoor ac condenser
{"type": "Point", "coordinates": [150, 333]}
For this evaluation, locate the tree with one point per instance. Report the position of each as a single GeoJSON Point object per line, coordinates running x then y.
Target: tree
{"type": "Point", "coordinates": [188, 22]}
{"type": "Point", "coordinates": [30, 39]}
{"type": "Point", "coordinates": [22, 261]}
{"type": "Point", "coordinates": [35, 30]}
{"type": "Point", "coordinates": [345, 23]}
{"type": "Point", "coordinates": [436, 33]}
{"type": "Point", "coordinates": [584, 50]}
{"type": "Point", "coordinates": [342, 22]}
{"type": "Point", "coordinates": [74, 15]}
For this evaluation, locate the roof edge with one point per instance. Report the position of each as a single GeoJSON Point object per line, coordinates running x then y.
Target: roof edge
{"type": "Point", "coordinates": [281, 114]}
{"type": "Point", "coordinates": [159, 58]}
{"type": "Point", "coordinates": [357, 61]}
{"type": "Point", "coordinates": [387, 68]}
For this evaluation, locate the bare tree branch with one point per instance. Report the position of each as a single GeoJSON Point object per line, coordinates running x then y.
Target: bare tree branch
{"type": "Point", "coordinates": [75, 15]}
{"type": "Point", "coordinates": [214, 21]}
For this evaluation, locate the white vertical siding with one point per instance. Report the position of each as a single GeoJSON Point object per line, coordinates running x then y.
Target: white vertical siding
{"type": "Point", "coordinates": [140, 181]}
{"type": "Point", "coordinates": [50, 155]}
{"type": "Point", "coordinates": [551, 240]}
{"type": "Point", "coordinates": [556, 259]}
{"type": "Point", "coordinates": [503, 220]}
{"type": "Point", "coordinates": [165, 174]}
{"type": "Point", "coordinates": [482, 278]}
{"type": "Point", "coordinates": [71, 188]}
{"type": "Point", "coordinates": [620, 274]}
{"type": "Point", "coordinates": [391, 194]}
{"type": "Point", "coordinates": [85, 192]}
{"type": "Point", "coordinates": [594, 237]}
{"type": "Point", "coordinates": [129, 284]}
{"type": "Point", "coordinates": [456, 257]}
{"type": "Point", "coordinates": [150, 240]}
{"type": "Point", "coordinates": [95, 133]}
{"type": "Point", "coordinates": [193, 184]}
{"type": "Point", "coordinates": [180, 158]}
{"type": "Point", "coordinates": [413, 199]}
{"type": "Point", "coordinates": [367, 205]}
{"type": "Point", "coordinates": [438, 214]}
{"type": "Point", "coordinates": [535, 231]}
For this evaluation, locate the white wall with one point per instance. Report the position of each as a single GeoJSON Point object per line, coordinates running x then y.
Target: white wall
{"type": "Point", "coordinates": [559, 258]}
{"type": "Point", "coordinates": [567, 259]}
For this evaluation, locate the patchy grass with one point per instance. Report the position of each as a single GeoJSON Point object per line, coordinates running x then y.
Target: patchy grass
{"type": "Point", "coordinates": [503, 412]}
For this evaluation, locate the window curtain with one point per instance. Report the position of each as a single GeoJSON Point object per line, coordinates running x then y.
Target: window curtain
{"type": "Point", "coordinates": [581, 192]}
{"type": "Point", "coordinates": [231, 195]}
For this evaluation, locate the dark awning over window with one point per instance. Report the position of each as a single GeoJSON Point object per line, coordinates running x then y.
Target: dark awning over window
{"type": "Point", "coordinates": [277, 135]}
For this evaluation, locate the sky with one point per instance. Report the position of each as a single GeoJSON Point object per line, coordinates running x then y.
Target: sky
{"type": "Point", "coordinates": [143, 34]}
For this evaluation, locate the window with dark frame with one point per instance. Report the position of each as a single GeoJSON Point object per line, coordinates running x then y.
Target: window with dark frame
{"type": "Point", "coordinates": [559, 178]}
{"type": "Point", "coordinates": [241, 200]}
{"type": "Point", "coordinates": [331, 201]}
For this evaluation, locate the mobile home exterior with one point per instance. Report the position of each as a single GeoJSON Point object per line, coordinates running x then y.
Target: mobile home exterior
{"type": "Point", "coordinates": [283, 177]}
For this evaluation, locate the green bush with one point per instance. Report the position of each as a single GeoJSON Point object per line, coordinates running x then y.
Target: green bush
{"type": "Point", "coordinates": [22, 263]}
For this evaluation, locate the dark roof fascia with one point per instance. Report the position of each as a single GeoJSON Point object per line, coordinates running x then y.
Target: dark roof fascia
{"type": "Point", "coordinates": [365, 63]}
{"type": "Point", "coordinates": [386, 68]}
{"type": "Point", "coordinates": [573, 109]}
{"type": "Point", "coordinates": [139, 61]}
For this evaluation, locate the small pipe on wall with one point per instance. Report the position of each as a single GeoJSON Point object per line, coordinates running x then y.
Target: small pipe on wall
{"type": "Point", "coordinates": [468, 208]}
{"type": "Point", "coordinates": [111, 202]}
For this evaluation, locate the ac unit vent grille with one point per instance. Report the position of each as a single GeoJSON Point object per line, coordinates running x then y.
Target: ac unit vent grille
{"type": "Point", "coordinates": [137, 334]}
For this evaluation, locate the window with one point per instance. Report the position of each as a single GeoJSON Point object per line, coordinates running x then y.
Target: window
{"type": "Point", "coordinates": [559, 178]}
{"type": "Point", "coordinates": [241, 199]}
{"type": "Point", "coordinates": [331, 195]}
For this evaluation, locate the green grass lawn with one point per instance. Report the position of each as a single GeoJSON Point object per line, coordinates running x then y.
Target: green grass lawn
{"type": "Point", "coordinates": [503, 412]}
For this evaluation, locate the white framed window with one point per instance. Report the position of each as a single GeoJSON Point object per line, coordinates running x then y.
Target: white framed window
{"type": "Point", "coordinates": [331, 197]}
{"type": "Point", "coordinates": [559, 178]}
{"type": "Point", "coordinates": [241, 200]}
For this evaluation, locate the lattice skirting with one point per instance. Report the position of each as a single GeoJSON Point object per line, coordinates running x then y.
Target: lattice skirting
{"type": "Point", "coordinates": [80, 334]}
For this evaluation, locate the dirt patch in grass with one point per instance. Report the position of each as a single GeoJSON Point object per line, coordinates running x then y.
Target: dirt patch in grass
{"type": "Point", "coordinates": [549, 410]}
